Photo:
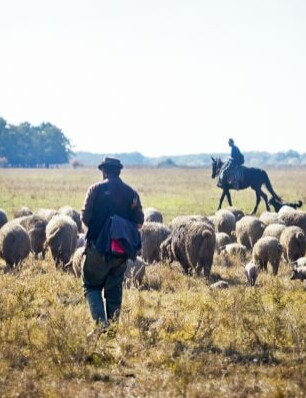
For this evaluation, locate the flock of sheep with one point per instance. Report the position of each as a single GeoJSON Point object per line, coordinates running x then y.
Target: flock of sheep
{"type": "Point", "coordinates": [192, 241]}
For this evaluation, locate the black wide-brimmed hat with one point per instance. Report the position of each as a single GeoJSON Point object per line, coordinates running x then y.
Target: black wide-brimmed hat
{"type": "Point", "coordinates": [111, 163]}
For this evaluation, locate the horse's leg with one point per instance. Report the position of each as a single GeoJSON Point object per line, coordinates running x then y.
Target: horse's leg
{"type": "Point", "coordinates": [228, 196]}
{"type": "Point", "coordinates": [221, 199]}
{"type": "Point", "coordinates": [257, 201]}
{"type": "Point", "coordinates": [265, 198]}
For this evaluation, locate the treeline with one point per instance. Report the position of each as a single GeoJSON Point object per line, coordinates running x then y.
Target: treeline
{"type": "Point", "coordinates": [252, 159]}
{"type": "Point", "coordinates": [32, 146]}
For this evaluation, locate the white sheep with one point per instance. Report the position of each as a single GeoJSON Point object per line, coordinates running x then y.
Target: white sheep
{"type": "Point", "coordinates": [248, 230]}
{"type": "Point", "coordinates": [251, 271]}
{"type": "Point", "coordinates": [274, 230]}
{"type": "Point", "coordinates": [219, 285]}
{"type": "Point", "coordinates": [152, 235]}
{"type": "Point", "coordinates": [224, 221]}
{"type": "Point", "coordinates": [294, 243]}
{"type": "Point", "coordinates": [61, 234]}
{"type": "Point", "coordinates": [267, 250]}
{"type": "Point", "coordinates": [234, 250]}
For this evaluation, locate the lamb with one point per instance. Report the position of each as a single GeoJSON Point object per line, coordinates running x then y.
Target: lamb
{"type": "Point", "coordinates": [152, 215]}
{"type": "Point", "coordinates": [294, 243]}
{"type": "Point", "coordinates": [3, 217]}
{"type": "Point", "coordinates": [135, 272]}
{"type": "Point", "coordinates": [69, 211]}
{"type": "Point", "coordinates": [61, 233]}
{"type": "Point", "coordinates": [152, 235]}
{"type": "Point", "coordinates": [219, 285]}
{"type": "Point", "coordinates": [299, 273]}
{"type": "Point", "coordinates": [222, 239]}
{"type": "Point", "coordinates": [267, 249]}
{"type": "Point", "coordinates": [251, 271]}
{"type": "Point", "coordinates": [248, 230]}
{"type": "Point", "coordinates": [278, 204]}
{"type": "Point", "coordinates": [193, 245]}
{"type": "Point", "coordinates": [274, 230]}
{"type": "Point", "coordinates": [14, 244]}
{"type": "Point", "coordinates": [22, 211]}
{"type": "Point", "coordinates": [295, 217]}
{"type": "Point", "coordinates": [224, 221]}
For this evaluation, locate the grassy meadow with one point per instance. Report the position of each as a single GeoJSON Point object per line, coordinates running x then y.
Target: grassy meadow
{"type": "Point", "coordinates": [176, 336]}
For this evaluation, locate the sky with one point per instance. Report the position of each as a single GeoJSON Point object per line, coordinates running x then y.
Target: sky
{"type": "Point", "coordinates": [162, 77]}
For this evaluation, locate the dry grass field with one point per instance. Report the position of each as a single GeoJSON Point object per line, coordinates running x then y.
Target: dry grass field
{"type": "Point", "coordinates": [176, 336]}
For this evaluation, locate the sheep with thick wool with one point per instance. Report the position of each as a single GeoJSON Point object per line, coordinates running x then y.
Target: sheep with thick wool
{"type": "Point", "coordinates": [36, 228]}
{"type": "Point", "coordinates": [14, 244]}
{"type": "Point", "coordinates": [152, 235]}
{"type": "Point", "coordinates": [294, 217]}
{"type": "Point", "coordinates": [274, 230]}
{"type": "Point", "coordinates": [293, 241]}
{"type": "Point", "coordinates": [225, 221]}
{"type": "Point", "coordinates": [71, 212]}
{"type": "Point", "coordinates": [61, 237]}
{"type": "Point", "coordinates": [248, 230]}
{"type": "Point", "coordinates": [192, 244]}
{"type": "Point", "coordinates": [233, 250]}
{"type": "Point", "coordinates": [267, 250]}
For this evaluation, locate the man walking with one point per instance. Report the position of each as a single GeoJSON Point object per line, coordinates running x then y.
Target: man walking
{"type": "Point", "coordinates": [113, 214]}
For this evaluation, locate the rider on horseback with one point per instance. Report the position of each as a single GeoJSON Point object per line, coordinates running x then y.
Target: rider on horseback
{"type": "Point", "coordinates": [236, 159]}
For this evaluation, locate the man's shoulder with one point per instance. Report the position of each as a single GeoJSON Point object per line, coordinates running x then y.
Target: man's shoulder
{"type": "Point", "coordinates": [97, 186]}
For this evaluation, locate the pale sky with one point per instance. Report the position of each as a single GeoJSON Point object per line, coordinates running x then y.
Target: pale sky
{"type": "Point", "coordinates": [162, 77]}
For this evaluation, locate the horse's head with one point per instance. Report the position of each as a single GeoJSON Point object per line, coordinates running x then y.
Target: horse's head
{"type": "Point", "coordinates": [216, 166]}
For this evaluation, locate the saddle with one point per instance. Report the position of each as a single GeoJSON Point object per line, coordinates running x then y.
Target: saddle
{"type": "Point", "coordinates": [235, 177]}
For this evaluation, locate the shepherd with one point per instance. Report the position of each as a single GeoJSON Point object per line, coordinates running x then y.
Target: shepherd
{"type": "Point", "coordinates": [236, 159]}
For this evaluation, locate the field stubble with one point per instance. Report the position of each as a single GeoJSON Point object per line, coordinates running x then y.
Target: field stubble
{"type": "Point", "coordinates": [176, 336]}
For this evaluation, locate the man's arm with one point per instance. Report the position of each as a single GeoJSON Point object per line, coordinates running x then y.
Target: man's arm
{"type": "Point", "coordinates": [137, 213]}
{"type": "Point", "coordinates": [87, 210]}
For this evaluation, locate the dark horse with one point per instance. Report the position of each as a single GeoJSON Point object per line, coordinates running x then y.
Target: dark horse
{"type": "Point", "coordinates": [253, 178]}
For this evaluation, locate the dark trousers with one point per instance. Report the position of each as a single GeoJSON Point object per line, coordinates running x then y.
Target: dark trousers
{"type": "Point", "coordinates": [103, 277]}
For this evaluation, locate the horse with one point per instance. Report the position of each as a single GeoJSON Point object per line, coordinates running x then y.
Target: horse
{"type": "Point", "coordinates": [252, 178]}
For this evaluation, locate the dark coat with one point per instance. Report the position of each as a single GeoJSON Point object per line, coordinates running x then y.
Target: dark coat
{"type": "Point", "coordinates": [107, 198]}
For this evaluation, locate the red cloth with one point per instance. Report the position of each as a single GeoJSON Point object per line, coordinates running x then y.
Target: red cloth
{"type": "Point", "coordinates": [116, 247]}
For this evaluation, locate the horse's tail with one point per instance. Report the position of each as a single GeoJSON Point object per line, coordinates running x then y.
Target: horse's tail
{"type": "Point", "coordinates": [269, 187]}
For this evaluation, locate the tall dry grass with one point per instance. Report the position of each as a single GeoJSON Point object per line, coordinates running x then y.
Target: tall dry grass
{"type": "Point", "coordinates": [176, 337]}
